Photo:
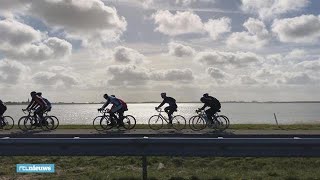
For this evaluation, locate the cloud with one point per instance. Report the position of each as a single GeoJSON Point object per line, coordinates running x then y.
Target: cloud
{"type": "Point", "coordinates": [299, 78]}
{"type": "Point", "coordinates": [88, 20]}
{"type": "Point", "coordinates": [180, 50]}
{"type": "Point", "coordinates": [217, 27]}
{"type": "Point", "coordinates": [255, 37]}
{"type": "Point", "coordinates": [7, 7]}
{"type": "Point", "coordinates": [52, 78]}
{"type": "Point", "coordinates": [221, 58]}
{"type": "Point", "coordinates": [127, 55]}
{"type": "Point", "coordinates": [11, 72]}
{"type": "Point", "coordinates": [177, 24]}
{"type": "Point", "coordinates": [134, 76]}
{"type": "Point", "coordinates": [309, 65]}
{"type": "Point", "coordinates": [247, 80]}
{"type": "Point", "coordinates": [186, 22]}
{"type": "Point", "coordinates": [51, 48]}
{"type": "Point", "coordinates": [305, 28]}
{"type": "Point", "coordinates": [268, 9]}
{"type": "Point", "coordinates": [127, 75]}
{"type": "Point", "coordinates": [173, 75]}
{"type": "Point", "coordinates": [15, 34]}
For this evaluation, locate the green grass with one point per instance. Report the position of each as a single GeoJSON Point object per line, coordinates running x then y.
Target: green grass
{"type": "Point", "coordinates": [173, 168]}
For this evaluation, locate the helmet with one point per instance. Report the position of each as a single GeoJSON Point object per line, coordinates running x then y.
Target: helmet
{"type": "Point", "coordinates": [205, 95]}
{"type": "Point", "coordinates": [33, 93]}
{"type": "Point", "coordinates": [39, 93]}
{"type": "Point", "coordinates": [202, 99]}
{"type": "Point", "coordinates": [106, 96]}
{"type": "Point", "coordinates": [163, 94]}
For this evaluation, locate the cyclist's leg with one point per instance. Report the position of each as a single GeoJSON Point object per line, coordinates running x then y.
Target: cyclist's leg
{"type": "Point", "coordinates": [2, 110]}
{"type": "Point", "coordinates": [169, 110]}
{"type": "Point", "coordinates": [210, 113]}
{"type": "Point", "coordinates": [121, 117]}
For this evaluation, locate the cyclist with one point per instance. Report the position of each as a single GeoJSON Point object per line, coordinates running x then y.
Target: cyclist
{"type": "Point", "coordinates": [169, 109]}
{"type": "Point", "coordinates": [49, 106]}
{"type": "Point", "coordinates": [3, 109]}
{"type": "Point", "coordinates": [38, 103]}
{"type": "Point", "coordinates": [117, 107]}
{"type": "Point", "coordinates": [211, 102]}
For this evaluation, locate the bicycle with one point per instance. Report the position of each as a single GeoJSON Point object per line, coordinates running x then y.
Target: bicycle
{"type": "Point", "coordinates": [55, 120]}
{"type": "Point", "coordinates": [156, 121]}
{"type": "Point", "coordinates": [105, 122]}
{"type": "Point", "coordinates": [201, 121]}
{"type": "Point", "coordinates": [7, 122]}
{"type": "Point", "coordinates": [31, 121]}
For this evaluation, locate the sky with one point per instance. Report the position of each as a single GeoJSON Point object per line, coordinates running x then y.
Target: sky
{"type": "Point", "coordinates": [235, 50]}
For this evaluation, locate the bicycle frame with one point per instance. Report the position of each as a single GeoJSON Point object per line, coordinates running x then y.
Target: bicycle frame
{"type": "Point", "coordinates": [161, 116]}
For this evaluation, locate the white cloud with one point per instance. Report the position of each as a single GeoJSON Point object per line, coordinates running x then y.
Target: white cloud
{"type": "Point", "coordinates": [88, 20]}
{"type": "Point", "coordinates": [180, 50]}
{"type": "Point", "coordinates": [247, 80]}
{"type": "Point", "coordinates": [11, 72]}
{"type": "Point", "coordinates": [216, 27]}
{"type": "Point", "coordinates": [297, 78]}
{"type": "Point", "coordinates": [127, 55]}
{"type": "Point", "coordinates": [55, 79]}
{"type": "Point", "coordinates": [309, 65]}
{"type": "Point", "coordinates": [133, 76]}
{"type": "Point", "coordinates": [15, 34]}
{"type": "Point", "coordinates": [177, 24]}
{"type": "Point", "coordinates": [255, 37]}
{"type": "Point", "coordinates": [216, 58]}
{"type": "Point", "coordinates": [305, 28]}
{"type": "Point", "coordinates": [173, 75]}
{"type": "Point", "coordinates": [51, 48]}
{"type": "Point", "coordinates": [268, 9]}
{"type": "Point", "coordinates": [8, 7]}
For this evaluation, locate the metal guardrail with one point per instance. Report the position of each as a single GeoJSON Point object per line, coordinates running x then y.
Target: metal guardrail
{"type": "Point", "coordinates": [220, 147]}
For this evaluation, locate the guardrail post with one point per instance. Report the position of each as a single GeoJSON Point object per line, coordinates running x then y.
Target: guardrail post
{"type": "Point", "coordinates": [144, 168]}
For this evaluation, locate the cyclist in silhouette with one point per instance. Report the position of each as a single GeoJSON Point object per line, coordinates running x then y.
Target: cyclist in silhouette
{"type": "Point", "coordinates": [117, 107]}
{"type": "Point", "coordinates": [169, 109]}
{"type": "Point", "coordinates": [49, 106]}
{"type": "Point", "coordinates": [38, 103]}
{"type": "Point", "coordinates": [211, 102]}
{"type": "Point", "coordinates": [3, 109]}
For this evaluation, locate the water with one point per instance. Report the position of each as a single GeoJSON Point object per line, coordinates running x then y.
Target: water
{"type": "Point", "coordinates": [238, 113]}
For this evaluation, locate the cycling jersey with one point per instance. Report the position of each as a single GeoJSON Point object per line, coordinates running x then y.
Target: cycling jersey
{"type": "Point", "coordinates": [171, 101]}
{"type": "Point", "coordinates": [211, 102]}
{"type": "Point", "coordinates": [37, 101]}
{"type": "Point", "coordinates": [112, 100]}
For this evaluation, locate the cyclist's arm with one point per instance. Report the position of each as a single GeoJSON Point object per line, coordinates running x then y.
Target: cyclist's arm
{"type": "Point", "coordinates": [204, 106]}
{"type": "Point", "coordinates": [163, 102]}
{"type": "Point", "coordinates": [31, 104]}
{"type": "Point", "coordinates": [105, 104]}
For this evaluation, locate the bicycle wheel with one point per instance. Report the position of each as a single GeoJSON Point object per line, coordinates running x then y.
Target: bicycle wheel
{"type": "Point", "coordinates": [178, 122]}
{"type": "Point", "coordinates": [21, 123]}
{"type": "Point", "coordinates": [56, 122]}
{"type": "Point", "coordinates": [223, 122]}
{"type": "Point", "coordinates": [129, 122]}
{"type": "Point", "coordinates": [155, 122]}
{"type": "Point", "coordinates": [96, 123]}
{"type": "Point", "coordinates": [47, 123]}
{"type": "Point", "coordinates": [227, 120]}
{"type": "Point", "coordinates": [197, 123]}
{"type": "Point", "coordinates": [29, 123]}
{"type": "Point", "coordinates": [8, 122]}
{"type": "Point", "coordinates": [106, 122]}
